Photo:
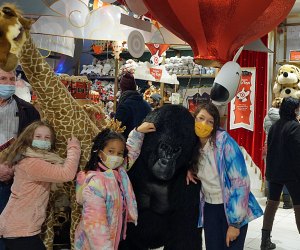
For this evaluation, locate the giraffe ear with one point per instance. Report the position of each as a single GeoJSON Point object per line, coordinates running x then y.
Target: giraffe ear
{"type": "Point", "coordinates": [26, 23]}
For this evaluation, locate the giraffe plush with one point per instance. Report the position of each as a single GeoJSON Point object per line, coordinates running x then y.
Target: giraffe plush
{"type": "Point", "coordinates": [13, 30]}
{"type": "Point", "coordinates": [58, 106]}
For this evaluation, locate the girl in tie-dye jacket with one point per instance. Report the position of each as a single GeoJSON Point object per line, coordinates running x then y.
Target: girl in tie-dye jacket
{"type": "Point", "coordinates": [105, 192]}
{"type": "Point", "coordinates": [227, 205]}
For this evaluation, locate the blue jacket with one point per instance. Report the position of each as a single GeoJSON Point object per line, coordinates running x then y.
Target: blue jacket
{"type": "Point", "coordinates": [240, 204]}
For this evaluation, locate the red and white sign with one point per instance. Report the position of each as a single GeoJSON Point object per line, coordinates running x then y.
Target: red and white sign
{"type": "Point", "coordinates": [156, 73]}
{"type": "Point", "coordinates": [243, 104]}
{"type": "Point", "coordinates": [294, 55]}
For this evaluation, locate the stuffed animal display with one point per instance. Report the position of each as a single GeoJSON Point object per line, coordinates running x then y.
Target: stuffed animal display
{"type": "Point", "coordinates": [287, 82]}
{"type": "Point", "coordinates": [168, 208]}
{"type": "Point", "coordinates": [100, 68]}
{"type": "Point", "coordinates": [13, 31]}
{"type": "Point", "coordinates": [96, 114]}
{"type": "Point", "coordinates": [185, 66]}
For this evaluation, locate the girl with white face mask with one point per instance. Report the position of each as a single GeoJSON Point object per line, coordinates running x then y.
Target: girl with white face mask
{"type": "Point", "coordinates": [35, 166]}
{"type": "Point", "coordinates": [104, 189]}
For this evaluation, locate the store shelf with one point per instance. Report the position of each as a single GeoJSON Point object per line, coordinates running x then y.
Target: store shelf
{"type": "Point", "coordinates": [196, 76]}
{"type": "Point", "coordinates": [100, 77]}
{"type": "Point", "coordinates": [289, 62]}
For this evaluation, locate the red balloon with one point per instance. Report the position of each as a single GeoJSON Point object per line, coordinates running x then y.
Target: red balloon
{"type": "Point", "coordinates": [215, 29]}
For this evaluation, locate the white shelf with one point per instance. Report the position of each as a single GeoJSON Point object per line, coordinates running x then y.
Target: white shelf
{"type": "Point", "coordinates": [196, 76]}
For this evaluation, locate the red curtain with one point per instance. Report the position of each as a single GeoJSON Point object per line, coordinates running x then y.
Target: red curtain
{"type": "Point", "coordinates": [253, 142]}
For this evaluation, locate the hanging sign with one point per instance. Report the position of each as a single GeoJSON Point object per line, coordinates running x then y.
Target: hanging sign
{"type": "Point", "coordinates": [156, 73]}
{"type": "Point", "coordinates": [156, 51]}
{"type": "Point", "coordinates": [243, 104]}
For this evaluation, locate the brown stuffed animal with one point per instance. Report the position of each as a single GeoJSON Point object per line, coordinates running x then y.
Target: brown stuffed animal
{"type": "Point", "coordinates": [287, 82]}
{"type": "Point", "coordinates": [96, 114]}
{"type": "Point", "coordinates": [13, 28]}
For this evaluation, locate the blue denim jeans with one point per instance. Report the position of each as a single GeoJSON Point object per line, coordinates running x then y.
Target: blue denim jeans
{"type": "Point", "coordinates": [4, 196]}
{"type": "Point", "coordinates": [215, 229]}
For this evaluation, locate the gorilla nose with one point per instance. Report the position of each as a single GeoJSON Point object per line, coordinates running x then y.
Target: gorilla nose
{"type": "Point", "coordinates": [287, 91]}
{"type": "Point", "coordinates": [164, 161]}
{"type": "Point", "coordinates": [9, 12]}
{"type": "Point", "coordinates": [219, 93]}
{"type": "Point", "coordinates": [285, 74]}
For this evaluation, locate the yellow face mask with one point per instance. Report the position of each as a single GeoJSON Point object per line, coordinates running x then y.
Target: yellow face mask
{"type": "Point", "coordinates": [203, 130]}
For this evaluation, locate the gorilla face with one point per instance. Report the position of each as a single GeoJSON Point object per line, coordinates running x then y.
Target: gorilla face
{"type": "Point", "coordinates": [169, 149]}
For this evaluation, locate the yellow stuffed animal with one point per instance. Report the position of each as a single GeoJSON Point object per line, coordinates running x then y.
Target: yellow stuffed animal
{"type": "Point", "coordinates": [13, 29]}
{"type": "Point", "coordinates": [287, 82]}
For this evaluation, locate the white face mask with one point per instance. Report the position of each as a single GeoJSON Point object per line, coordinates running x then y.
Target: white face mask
{"type": "Point", "coordinates": [112, 161]}
{"type": "Point", "coordinates": [40, 144]}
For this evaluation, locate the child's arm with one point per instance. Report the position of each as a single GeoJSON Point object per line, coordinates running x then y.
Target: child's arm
{"type": "Point", "coordinates": [94, 216]}
{"type": "Point", "coordinates": [40, 170]}
{"type": "Point", "coordinates": [135, 141]}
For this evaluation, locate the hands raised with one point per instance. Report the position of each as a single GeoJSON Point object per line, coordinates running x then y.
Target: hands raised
{"type": "Point", "coordinates": [146, 127]}
{"type": "Point", "coordinates": [73, 142]}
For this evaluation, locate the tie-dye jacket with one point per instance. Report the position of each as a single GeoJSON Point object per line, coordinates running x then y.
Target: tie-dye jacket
{"type": "Point", "coordinates": [102, 221]}
{"type": "Point", "coordinates": [240, 204]}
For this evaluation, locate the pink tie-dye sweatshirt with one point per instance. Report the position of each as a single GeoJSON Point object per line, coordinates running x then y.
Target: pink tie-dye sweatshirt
{"type": "Point", "coordinates": [103, 196]}
{"type": "Point", "coordinates": [25, 211]}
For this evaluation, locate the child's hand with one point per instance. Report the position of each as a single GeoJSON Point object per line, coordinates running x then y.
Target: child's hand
{"type": "Point", "coordinates": [191, 177]}
{"type": "Point", "coordinates": [146, 127]}
{"type": "Point", "coordinates": [6, 172]}
{"type": "Point", "coordinates": [73, 142]}
{"type": "Point", "coordinates": [232, 234]}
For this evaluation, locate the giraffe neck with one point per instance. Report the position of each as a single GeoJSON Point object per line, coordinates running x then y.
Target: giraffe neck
{"type": "Point", "coordinates": [63, 112]}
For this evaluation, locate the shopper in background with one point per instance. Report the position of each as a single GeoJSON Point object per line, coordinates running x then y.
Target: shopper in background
{"type": "Point", "coordinates": [227, 205]}
{"type": "Point", "coordinates": [132, 108]}
{"type": "Point", "coordinates": [156, 98]}
{"type": "Point", "coordinates": [272, 117]}
{"type": "Point", "coordinates": [36, 167]}
{"type": "Point", "coordinates": [105, 192]}
{"type": "Point", "coordinates": [15, 116]}
{"type": "Point", "coordinates": [282, 165]}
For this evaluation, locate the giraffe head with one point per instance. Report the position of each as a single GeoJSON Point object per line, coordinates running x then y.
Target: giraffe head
{"type": "Point", "coordinates": [13, 29]}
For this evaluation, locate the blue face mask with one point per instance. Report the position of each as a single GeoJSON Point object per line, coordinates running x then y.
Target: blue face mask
{"type": "Point", "coordinates": [6, 91]}
{"type": "Point", "coordinates": [45, 145]}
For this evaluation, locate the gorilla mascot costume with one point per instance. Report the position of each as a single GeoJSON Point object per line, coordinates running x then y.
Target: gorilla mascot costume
{"type": "Point", "coordinates": [168, 208]}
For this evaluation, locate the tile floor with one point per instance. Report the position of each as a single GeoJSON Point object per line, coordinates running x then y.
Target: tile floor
{"type": "Point", "coordinates": [285, 234]}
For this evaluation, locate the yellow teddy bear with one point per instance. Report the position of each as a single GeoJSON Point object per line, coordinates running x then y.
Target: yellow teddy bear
{"type": "Point", "coordinates": [287, 82]}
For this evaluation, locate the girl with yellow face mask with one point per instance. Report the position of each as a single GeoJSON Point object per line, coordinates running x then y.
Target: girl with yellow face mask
{"type": "Point", "coordinates": [227, 205]}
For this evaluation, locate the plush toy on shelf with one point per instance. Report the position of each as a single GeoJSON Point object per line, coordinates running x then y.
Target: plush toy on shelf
{"type": "Point", "coordinates": [287, 82]}
{"type": "Point", "coordinates": [150, 91]}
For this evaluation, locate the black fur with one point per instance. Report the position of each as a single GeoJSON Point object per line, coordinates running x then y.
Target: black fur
{"type": "Point", "coordinates": [168, 209]}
